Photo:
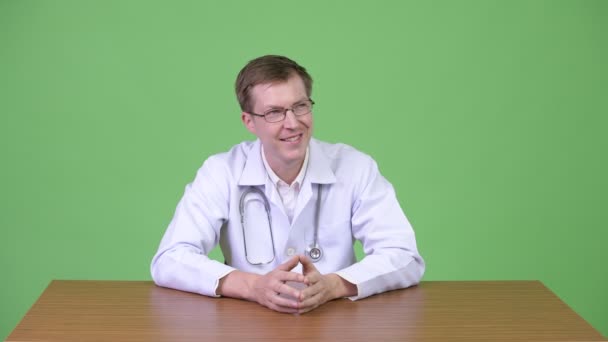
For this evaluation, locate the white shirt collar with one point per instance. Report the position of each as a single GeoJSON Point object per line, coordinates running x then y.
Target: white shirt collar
{"type": "Point", "coordinates": [318, 171]}
{"type": "Point", "coordinates": [276, 180]}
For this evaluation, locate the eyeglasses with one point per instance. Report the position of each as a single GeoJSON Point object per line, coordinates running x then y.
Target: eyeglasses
{"type": "Point", "coordinates": [279, 114]}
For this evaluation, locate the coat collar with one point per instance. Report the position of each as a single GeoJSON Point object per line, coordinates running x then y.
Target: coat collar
{"type": "Point", "coordinates": [319, 169]}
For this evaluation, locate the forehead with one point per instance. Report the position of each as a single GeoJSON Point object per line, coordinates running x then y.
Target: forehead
{"type": "Point", "coordinates": [280, 94]}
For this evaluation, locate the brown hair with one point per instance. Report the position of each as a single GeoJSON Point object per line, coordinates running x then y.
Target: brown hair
{"type": "Point", "coordinates": [267, 69]}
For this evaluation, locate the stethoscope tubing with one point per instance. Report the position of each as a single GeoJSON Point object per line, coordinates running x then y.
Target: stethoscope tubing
{"type": "Point", "coordinates": [314, 251]}
{"type": "Point", "coordinates": [242, 212]}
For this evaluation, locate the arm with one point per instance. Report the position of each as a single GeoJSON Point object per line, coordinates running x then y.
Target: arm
{"type": "Point", "coordinates": [392, 260]}
{"type": "Point", "coordinates": [181, 261]}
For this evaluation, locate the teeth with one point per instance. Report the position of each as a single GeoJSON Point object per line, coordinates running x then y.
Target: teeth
{"type": "Point", "coordinates": [292, 138]}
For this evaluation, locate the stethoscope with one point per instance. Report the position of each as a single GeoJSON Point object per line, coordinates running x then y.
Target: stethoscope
{"type": "Point", "coordinates": [313, 251]}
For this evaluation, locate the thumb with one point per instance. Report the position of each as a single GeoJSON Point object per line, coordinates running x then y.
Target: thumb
{"type": "Point", "coordinates": [289, 264]}
{"type": "Point", "coordinates": [307, 265]}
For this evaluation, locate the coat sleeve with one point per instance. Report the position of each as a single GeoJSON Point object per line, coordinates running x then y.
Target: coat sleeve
{"type": "Point", "coordinates": [391, 257]}
{"type": "Point", "coordinates": [181, 261]}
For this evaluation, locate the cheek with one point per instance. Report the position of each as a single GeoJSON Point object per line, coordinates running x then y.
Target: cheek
{"type": "Point", "coordinates": [310, 122]}
{"type": "Point", "coordinates": [307, 121]}
{"type": "Point", "coordinates": [272, 132]}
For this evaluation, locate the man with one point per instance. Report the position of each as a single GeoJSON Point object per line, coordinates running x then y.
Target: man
{"type": "Point", "coordinates": [286, 210]}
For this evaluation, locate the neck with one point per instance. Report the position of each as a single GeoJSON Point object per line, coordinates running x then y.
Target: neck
{"type": "Point", "coordinates": [286, 172]}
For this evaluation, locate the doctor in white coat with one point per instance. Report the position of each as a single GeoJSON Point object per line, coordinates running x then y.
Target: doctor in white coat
{"type": "Point", "coordinates": [318, 194]}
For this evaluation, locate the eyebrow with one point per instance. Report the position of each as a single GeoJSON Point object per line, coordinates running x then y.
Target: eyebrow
{"type": "Point", "coordinates": [270, 107]}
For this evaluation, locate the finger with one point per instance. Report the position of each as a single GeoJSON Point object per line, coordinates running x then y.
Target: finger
{"type": "Point", "coordinates": [289, 264]}
{"type": "Point", "coordinates": [306, 309]}
{"type": "Point", "coordinates": [283, 301]}
{"type": "Point", "coordinates": [307, 264]}
{"type": "Point", "coordinates": [311, 303]}
{"type": "Point", "coordinates": [289, 291]}
{"type": "Point", "coordinates": [312, 278]}
{"type": "Point", "coordinates": [280, 308]}
{"type": "Point", "coordinates": [283, 276]}
{"type": "Point", "coordinates": [304, 259]}
{"type": "Point", "coordinates": [310, 292]}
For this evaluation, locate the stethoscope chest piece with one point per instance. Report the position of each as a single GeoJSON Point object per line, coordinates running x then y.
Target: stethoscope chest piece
{"type": "Point", "coordinates": [314, 252]}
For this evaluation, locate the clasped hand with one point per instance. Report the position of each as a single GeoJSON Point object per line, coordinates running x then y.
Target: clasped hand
{"type": "Point", "coordinates": [310, 289]}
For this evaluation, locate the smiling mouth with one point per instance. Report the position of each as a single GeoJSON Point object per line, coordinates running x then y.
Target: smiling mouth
{"type": "Point", "coordinates": [293, 139]}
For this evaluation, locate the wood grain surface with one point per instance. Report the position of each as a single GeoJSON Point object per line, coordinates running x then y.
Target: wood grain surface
{"type": "Point", "coordinates": [432, 311]}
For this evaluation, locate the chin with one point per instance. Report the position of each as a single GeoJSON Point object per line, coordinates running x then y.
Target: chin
{"type": "Point", "coordinates": [293, 156]}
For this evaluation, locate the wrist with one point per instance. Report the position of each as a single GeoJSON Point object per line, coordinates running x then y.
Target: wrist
{"type": "Point", "coordinates": [341, 287]}
{"type": "Point", "coordinates": [237, 284]}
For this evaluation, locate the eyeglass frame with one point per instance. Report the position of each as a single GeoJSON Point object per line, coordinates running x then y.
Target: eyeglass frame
{"type": "Point", "coordinates": [285, 111]}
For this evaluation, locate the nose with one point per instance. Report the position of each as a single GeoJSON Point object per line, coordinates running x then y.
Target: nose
{"type": "Point", "coordinates": [291, 121]}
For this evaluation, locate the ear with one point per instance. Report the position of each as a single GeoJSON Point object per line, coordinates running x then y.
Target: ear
{"type": "Point", "coordinates": [248, 122]}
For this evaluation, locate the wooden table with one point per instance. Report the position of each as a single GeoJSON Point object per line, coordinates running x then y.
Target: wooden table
{"type": "Point", "coordinates": [432, 311]}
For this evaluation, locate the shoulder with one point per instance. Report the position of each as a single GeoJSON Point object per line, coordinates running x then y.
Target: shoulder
{"type": "Point", "coordinates": [344, 156]}
{"type": "Point", "coordinates": [234, 154]}
{"type": "Point", "coordinates": [228, 162]}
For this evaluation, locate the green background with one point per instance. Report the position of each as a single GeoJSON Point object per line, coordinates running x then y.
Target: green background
{"type": "Point", "coordinates": [489, 118]}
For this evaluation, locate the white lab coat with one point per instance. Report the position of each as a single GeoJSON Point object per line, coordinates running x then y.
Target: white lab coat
{"type": "Point", "coordinates": [357, 203]}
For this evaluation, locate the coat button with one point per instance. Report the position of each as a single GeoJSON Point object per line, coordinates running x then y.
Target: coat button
{"type": "Point", "coordinates": [291, 251]}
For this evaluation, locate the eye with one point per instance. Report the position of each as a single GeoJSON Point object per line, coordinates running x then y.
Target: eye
{"type": "Point", "coordinates": [274, 112]}
{"type": "Point", "coordinates": [274, 115]}
{"type": "Point", "coordinates": [301, 108]}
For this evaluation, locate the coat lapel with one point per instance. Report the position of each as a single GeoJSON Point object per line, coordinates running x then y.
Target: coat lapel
{"type": "Point", "coordinates": [254, 174]}
{"type": "Point", "coordinates": [319, 172]}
